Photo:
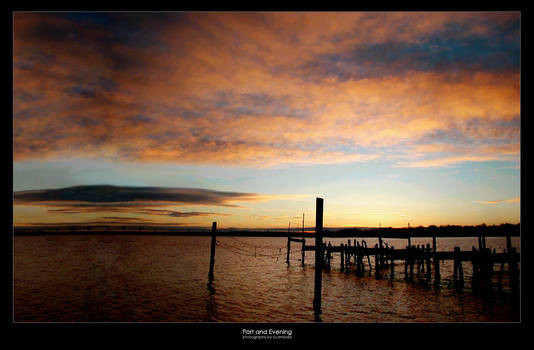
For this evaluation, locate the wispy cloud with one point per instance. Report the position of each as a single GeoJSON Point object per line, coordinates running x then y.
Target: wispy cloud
{"type": "Point", "coordinates": [511, 200]}
{"type": "Point", "coordinates": [447, 161]}
{"type": "Point", "coordinates": [453, 154]}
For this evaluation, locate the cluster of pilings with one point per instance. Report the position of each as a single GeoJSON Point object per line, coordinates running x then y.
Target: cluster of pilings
{"type": "Point", "coordinates": [418, 260]}
{"type": "Point", "coordinates": [419, 257]}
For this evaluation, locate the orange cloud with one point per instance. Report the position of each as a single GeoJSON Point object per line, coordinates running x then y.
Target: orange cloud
{"type": "Point", "coordinates": [243, 90]}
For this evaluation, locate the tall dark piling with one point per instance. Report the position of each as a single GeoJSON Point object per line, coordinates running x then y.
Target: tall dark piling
{"type": "Point", "coordinates": [212, 255]}
{"type": "Point", "coordinates": [318, 254]}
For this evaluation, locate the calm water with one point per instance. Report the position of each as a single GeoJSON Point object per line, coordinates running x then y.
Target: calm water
{"type": "Point", "coordinates": [164, 279]}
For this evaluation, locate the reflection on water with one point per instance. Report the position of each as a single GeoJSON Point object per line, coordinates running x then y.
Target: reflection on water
{"type": "Point", "coordinates": [165, 278]}
{"type": "Point", "coordinates": [211, 304]}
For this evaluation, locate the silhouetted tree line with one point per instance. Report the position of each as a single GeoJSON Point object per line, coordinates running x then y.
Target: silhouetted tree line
{"type": "Point", "coordinates": [448, 230]}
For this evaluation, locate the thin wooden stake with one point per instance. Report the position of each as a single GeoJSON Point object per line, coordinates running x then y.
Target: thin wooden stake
{"type": "Point", "coordinates": [303, 250]}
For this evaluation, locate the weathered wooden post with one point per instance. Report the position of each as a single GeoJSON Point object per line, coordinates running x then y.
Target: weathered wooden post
{"type": "Point", "coordinates": [328, 256]}
{"type": "Point", "coordinates": [501, 270]}
{"type": "Point", "coordinates": [406, 262]}
{"type": "Point", "coordinates": [513, 270]}
{"type": "Point", "coordinates": [508, 243]}
{"type": "Point", "coordinates": [475, 262]}
{"type": "Point", "coordinates": [288, 249]}
{"type": "Point", "coordinates": [381, 252]}
{"type": "Point", "coordinates": [347, 257]}
{"type": "Point", "coordinates": [386, 257]}
{"type": "Point", "coordinates": [418, 259]}
{"type": "Point", "coordinates": [437, 275]}
{"type": "Point", "coordinates": [392, 257]}
{"type": "Point", "coordinates": [342, 257]}
{"type": "Point", "coordinates": [411, 256]}
{"type": "Point", "coordinates": [491, 260]}
{"type": "Point", "coordinates": [212, 255]}
{"type": "Point", "coordinates": [458, 269]}
{"type": "Point", "coordinates": [349, 253]}
{"type": "Point", "coordinates": [427, 256]}
{"type": "Point", "coordinates": [318, 254]}
{"type": "Point", "coordinates": [487, 264]}
{"type": "Point", "coordinates": [303, 250]}
{"type": "Point", "coordinates": [359, 260]}
{"type": "Point", "coordinates": [455, 265]}
{"type": "Point", "coordinates": [376, 260]}
{"type": "Point", "coordinates": [364, 248]}
{"type": "Point", "coordinates": [434, 244]}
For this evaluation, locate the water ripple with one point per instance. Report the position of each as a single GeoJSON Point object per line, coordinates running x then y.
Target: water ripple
{"type": "Point", "coordinates": [164, 279]}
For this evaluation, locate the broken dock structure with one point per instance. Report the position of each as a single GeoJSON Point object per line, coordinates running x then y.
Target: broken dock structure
{"type": "Point", "coordinates": [418, 260]}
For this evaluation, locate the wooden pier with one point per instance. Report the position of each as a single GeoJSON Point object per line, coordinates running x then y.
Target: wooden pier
{"type": "Point", "coordinates": [415, 258]}
{"type": "Point", "coordinates": [418, 261]}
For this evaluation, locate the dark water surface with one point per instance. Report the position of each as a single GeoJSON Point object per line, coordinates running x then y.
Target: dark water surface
{"type": "Point", "coordinates": [145, 278]}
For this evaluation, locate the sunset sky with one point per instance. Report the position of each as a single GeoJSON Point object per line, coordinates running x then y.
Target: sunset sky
{"type": "Point", "coordinates": [244, 118]}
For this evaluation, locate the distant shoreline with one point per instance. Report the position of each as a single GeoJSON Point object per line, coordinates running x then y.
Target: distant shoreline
{"type": "Point", "coordinates": [503, 230]}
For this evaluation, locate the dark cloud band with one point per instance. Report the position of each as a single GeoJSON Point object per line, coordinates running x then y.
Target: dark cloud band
{"type": "Point", "coordinates": [100, 194]}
